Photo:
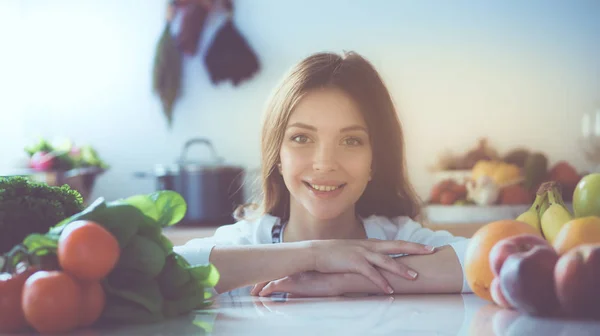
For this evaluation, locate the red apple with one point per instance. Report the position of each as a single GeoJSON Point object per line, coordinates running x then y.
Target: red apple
{"type": "Point", "coordinates": [508, 246]}
{"type": "Point", "coordinates": [527, 281]}
{"type": "Point", "coordinates": [577, 276]}
{"type": "Point", "coordinates": [497, 295]}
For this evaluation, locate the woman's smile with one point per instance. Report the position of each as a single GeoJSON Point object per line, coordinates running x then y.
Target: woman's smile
{"type": "Point", "coordinates": [325, 190]}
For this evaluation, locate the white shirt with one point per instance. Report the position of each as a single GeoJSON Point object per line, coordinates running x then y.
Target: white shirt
{"type": "Point", "coordinates": [197, 251]}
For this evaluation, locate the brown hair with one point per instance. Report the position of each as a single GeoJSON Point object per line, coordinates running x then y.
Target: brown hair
{"type": "Point", "coordinates": [389, 193]}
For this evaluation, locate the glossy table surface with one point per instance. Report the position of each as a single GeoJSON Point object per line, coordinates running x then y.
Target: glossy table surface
{"type": "Point", "coordinates": [370, 315]}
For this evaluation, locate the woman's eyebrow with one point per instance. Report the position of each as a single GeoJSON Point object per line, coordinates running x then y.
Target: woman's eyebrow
{"type": "Point", "coordinates": [345, 129]}
{"type": "Point", "coordinates": [354, 128]}
{"type": "Point", "coordinates": [301, 125]}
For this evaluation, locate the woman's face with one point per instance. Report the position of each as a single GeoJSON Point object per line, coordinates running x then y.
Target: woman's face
{"type": "Point", "coordinates": [326, 154]}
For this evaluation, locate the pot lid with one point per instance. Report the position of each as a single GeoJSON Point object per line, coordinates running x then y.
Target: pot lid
{"type": "Point", "coordinates": [215, 160]}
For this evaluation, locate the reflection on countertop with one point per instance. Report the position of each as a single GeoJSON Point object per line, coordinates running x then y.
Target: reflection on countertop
{"type": "Point", "coordinates": [366, 315]}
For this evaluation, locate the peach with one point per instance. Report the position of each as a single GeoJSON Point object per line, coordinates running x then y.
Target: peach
{"type": "Point", "coordinates": [527, 281]}
{"type": "Point", "coordinates": [577, 275]}
{"type": "Point", "coordinates": [512, 245]}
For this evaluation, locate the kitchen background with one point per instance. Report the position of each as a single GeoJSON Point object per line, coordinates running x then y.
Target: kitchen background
{"type": "Point", "coordinates": [519, 73]}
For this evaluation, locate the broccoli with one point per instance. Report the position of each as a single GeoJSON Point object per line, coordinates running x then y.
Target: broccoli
{"type": "Point", "coordinates": [28, 207]}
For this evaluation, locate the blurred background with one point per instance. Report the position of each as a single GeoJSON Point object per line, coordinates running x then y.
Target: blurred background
{"type": "Point", "coordinates": [507, 77]}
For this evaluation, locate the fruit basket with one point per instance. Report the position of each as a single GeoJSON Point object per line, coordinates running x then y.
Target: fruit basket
{"type": "Point", "coordinates": [470, 214]}
{"type": "Point", "coordinates": [495, 185]}
{"type": "Point", "coordinates": [474, 214]}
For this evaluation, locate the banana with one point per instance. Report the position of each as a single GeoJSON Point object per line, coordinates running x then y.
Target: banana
{"type": "Point", "coordinates": [532, 216]}
{"type": "Point", "coordinates": [555, 216]}
{"type": "Point", "coordinates": [543, 206]}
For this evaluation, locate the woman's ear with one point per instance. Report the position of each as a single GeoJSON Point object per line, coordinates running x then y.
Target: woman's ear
{"type": "Point", "coordinates": [279, 168]}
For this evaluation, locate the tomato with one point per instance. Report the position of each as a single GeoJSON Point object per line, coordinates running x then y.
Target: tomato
{"type": "Point", "coordinates": [51, 301]}
{"type": "Point", "coordinates": [93, 300]}
{"type": "Point", "coordinates": [87, 250]}
{"type": "Point", "coordinates": [12, 318]}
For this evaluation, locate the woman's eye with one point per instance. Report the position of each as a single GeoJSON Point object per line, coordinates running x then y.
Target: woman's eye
{"type": "Point", "coordinates": [300, 138]}
{"type": "Point", "coordinates": [352, 142]}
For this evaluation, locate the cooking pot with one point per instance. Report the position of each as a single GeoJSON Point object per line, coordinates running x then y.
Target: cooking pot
{"type": "Point", "coordinates": [211, 188]}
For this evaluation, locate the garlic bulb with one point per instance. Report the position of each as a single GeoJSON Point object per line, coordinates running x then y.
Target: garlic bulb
{"type": "Point", "coordinates": [483, 191]}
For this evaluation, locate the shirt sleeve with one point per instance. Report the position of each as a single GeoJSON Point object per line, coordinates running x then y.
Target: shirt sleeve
{"type": "Point", "coordinates": [197, 251]}
{"type": "Point", "coordinates": [412, 231]}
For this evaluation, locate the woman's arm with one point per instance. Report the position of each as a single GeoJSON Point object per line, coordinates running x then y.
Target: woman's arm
{"type": "Point", "coordinates": [440, 272]}
{"type": "Point", "coordinates": [241, 266]}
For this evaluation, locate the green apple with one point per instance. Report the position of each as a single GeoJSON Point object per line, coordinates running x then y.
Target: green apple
{"type": "Point", "coordinates": [586, 198]}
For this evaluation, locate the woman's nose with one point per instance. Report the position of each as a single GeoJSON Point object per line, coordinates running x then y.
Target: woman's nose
{"type": "Point", "coordinates": [324, 159]}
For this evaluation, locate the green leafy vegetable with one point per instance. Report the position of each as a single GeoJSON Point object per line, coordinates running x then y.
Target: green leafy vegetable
{"type": "Point", "coordinates": [144, 255]}
{"type": "Point", "coordinates": [175, 274]}
{"type": "Point", "coordinates": [122, 220]}
{"type": "Point", "coordinates": [125, 311]}
{"type": "Point", "coordinates": [147, 294]}
{"type": "Point", "coordinates": [150, 281]}
{"type": "Point", "coordinates": [41, 243]}
{"type": "Point", "coordinates": [182, 305]}
{"type": "Point", "coordinates": [207, 275]}
{"type": "Point", "coordinates": [41, 145]}
{"type": "Point", "coordinates": [28, 207]}
{"type": "Point", "coordinates": [166, 207]}
{"type": "Point", "coordinates": [127, 277]}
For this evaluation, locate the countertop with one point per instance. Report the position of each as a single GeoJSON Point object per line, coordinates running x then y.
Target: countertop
{"type": "Point", "coordinates": [451, 314]}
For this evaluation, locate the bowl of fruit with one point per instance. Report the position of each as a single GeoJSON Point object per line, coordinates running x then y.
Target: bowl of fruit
{"type": "Point", "coordinates": [63, 162]}
{"type": "Point", "coordinates": [496, 188]}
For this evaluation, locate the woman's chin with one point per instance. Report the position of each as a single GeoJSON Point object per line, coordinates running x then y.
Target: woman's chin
{"type": "Point", "coordinates": [325, 213]}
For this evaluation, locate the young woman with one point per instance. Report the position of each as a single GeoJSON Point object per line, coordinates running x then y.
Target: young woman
{"type": "Point", "coordinates": [338, 214]}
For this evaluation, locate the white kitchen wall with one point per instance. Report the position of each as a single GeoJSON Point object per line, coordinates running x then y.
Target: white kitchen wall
{"type": "Point", "coordinates": [521, 73]}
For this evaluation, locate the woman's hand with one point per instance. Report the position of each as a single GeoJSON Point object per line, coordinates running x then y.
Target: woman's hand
{"type": "Point", "coordinates": [306, 284]}
{"type": "Point", "coordinates": [362, 256]}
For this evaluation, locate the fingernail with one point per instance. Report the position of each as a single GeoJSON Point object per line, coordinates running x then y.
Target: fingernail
{"type": "Point", "coordinates": [429, 248]}
{"type": "Point", "coordinates": [390, 290]}
{"type": "Point", "coordinates": [412, 274]}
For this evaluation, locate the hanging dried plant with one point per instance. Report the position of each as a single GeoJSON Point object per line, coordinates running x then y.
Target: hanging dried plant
{"type": "Point", "coordinates": [167, 71]}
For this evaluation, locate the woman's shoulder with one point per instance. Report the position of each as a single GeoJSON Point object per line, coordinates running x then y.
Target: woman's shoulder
{"type": "Point", "coordinates": [382, 227]}
{"type": "Point", "coordinates": [406, 228]}
{"type": "Point", "coordinates": [253, 230]}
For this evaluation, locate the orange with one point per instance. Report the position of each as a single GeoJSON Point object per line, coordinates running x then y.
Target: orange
{"type": "Point", "coordinates": [577, 232]}
{"type": "Point", "coordinates": [87, 250]}
{"type": "Point", "coordinates": [477, 265]}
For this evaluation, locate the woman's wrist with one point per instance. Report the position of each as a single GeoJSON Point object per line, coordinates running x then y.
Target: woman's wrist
{"type": "Point", "coordinates": [310, 251]}
{"type": "Point", "coordinates": [355, 283]}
